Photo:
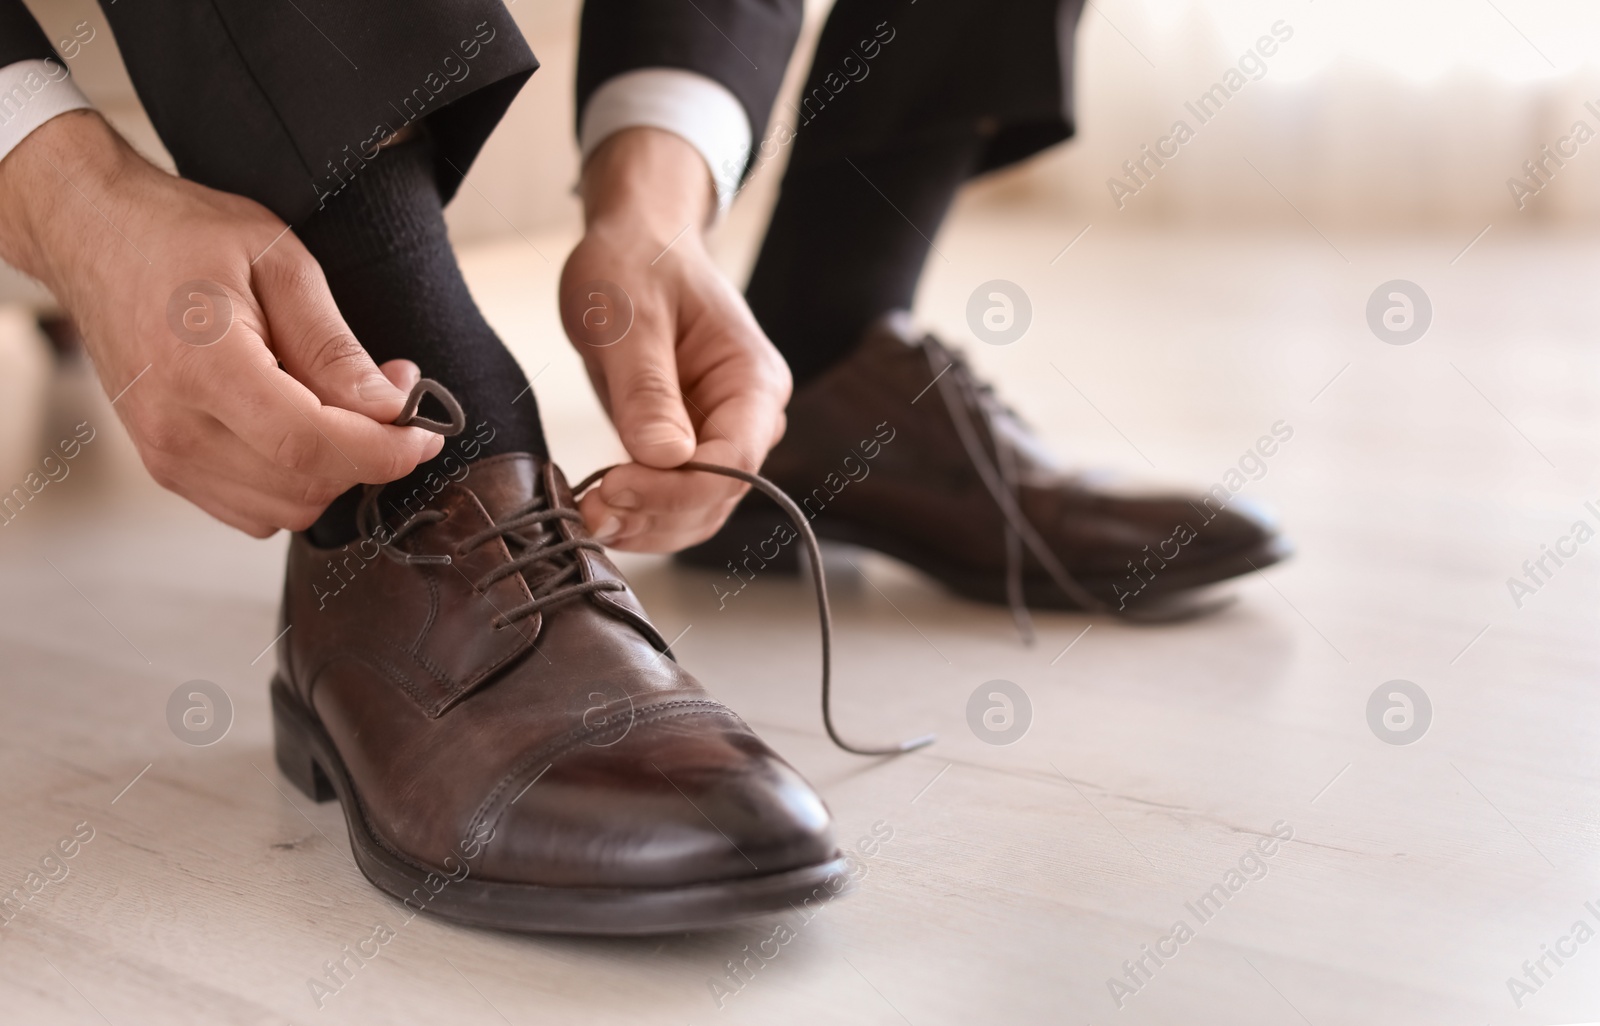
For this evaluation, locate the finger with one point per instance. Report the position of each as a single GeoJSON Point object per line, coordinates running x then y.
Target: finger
{"type": "Point", "coordinates": [655, 532]}
{"type": "Point", "coordinates": [213, 468]}
{"type": "Point", "coordinates": [740, 418]}
{"type": "Point", "coordinates": [403, 373]}
{"type": "Point", "coordinates": [311, 339]}
{"type": "Point", "coordinates": [297, 497]}
{"type": "Point", "coordinates": [741, 405]}
{"type": "Point", "coordinates": [238, 382]}
{"type": "Point", "coordinates": [634, 488]}
{"type": "Point", "coordinates": [255, 511]}
{"type": "Point", "coordinates": [228, 502]}
{"type": "Point", "coordinates": [641, 382]}
{"type": "Point", "coordinates": [643, 509]}
{"type": "Point", "coordinates": [639, 508]}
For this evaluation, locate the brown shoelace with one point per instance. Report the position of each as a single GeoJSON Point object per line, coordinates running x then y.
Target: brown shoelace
{"type": "Point", "coordinates": [553, 563]}
{"type": "Point", "coordinates": [963, 393]}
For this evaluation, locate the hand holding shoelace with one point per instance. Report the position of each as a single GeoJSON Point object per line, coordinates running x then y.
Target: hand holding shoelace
{"type": "Point", "coordinates": [272, 409]}
{"type": "Point", "coordinates": [694, 376]}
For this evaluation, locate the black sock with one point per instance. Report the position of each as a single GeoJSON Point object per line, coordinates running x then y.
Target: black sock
{"type": "Point", "coordinates": [847, 243]}
{"type": "Point", "coordinates": [382, 244]}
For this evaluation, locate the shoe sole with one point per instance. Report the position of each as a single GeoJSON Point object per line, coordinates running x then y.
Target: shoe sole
{"type": "Point", "coordinates": [307, 756]}
{"type": "Point", "coordinates": [746, 529]}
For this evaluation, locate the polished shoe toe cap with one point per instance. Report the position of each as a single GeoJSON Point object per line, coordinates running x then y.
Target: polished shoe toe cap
{"type": "Point", "coordinates": [674, 801]}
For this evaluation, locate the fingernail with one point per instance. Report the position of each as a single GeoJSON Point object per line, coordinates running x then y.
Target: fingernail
{"type": "Point", "coordinates": [610, 527]}
{"type": "Point", "coordinates": [625, 499]}
{"type": "Point", "coordinates": [375, 387]}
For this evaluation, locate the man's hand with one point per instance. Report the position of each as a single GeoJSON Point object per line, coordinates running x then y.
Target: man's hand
{"type": "Point", "coordinates": [189, 300]}
{"type": "Point", "coordinates": [693, 377]}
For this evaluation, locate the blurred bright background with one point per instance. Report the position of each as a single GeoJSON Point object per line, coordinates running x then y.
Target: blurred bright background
{"type": "Point", "coordinates": [1374, 115]}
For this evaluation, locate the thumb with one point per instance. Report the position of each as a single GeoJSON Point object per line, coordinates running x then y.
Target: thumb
{"type": "Point", "coordinates": [647, 407]}
{"type": "Point", "coordinates": [403, 374]}
{"type": "Point", "coordinates": [311, 339]}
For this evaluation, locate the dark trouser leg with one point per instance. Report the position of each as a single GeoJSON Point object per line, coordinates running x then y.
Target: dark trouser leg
{"type": "Point", "coordinates": [902, 105]}
{"type": "Point", "coordinates": [383, 247]}
{"type": "Point", "coordinates": [848, 240]}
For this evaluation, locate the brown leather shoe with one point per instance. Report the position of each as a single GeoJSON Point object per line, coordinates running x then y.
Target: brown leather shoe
{"type": "Point", "coordinates": [513, 743]}
{"type": "Point", "coordinates": [900, 448]}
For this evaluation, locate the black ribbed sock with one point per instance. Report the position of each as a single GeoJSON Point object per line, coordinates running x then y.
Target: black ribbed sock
{"type": "Point", "coordinates": [847, 243]}
{"type": "Point", "coordinates": [382, 244]}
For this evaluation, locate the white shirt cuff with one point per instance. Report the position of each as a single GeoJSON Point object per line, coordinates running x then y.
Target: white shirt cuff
{"type": "Point", "coordinates": [686, 103]}
{"type": "Point", "coordinates": [31, 93]}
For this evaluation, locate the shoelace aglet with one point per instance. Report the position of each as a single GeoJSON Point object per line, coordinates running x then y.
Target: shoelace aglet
{"type": "Point", "coordinates": [916, 743]}
{"type": "Point", "coordinates": [427, 559]}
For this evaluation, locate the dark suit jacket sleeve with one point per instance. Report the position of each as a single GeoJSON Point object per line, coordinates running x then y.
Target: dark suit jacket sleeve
{"type": "Point", "coordinates": [252, 98]}
{"type": "Point", "coordinates": [21, 38]}
{"type": "Point", "coordinates": [742, 44]}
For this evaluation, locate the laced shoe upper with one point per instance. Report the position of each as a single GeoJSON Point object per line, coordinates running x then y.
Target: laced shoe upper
{"type": "Point", "coordinates": [904, 448]}
{"type": "Point", "coordinates": [495, 673]}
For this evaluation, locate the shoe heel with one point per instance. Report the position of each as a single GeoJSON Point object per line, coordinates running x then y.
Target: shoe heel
{"type": "Point", "coordinates": [751, 542]}
{"type": "Point", "coordinates": [292, 750]}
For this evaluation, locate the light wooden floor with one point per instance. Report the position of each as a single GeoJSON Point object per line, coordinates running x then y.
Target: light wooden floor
{"type": "Point", "coordinates": [1019, 879]}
